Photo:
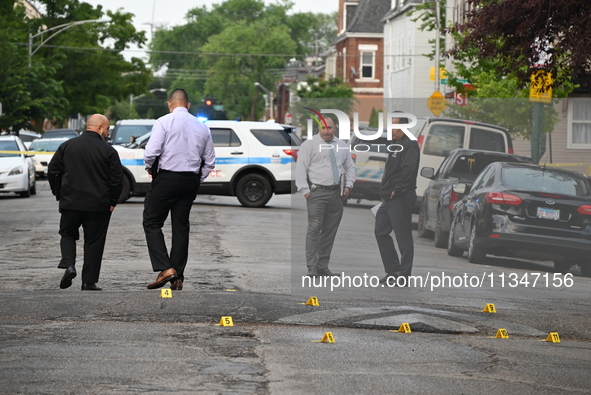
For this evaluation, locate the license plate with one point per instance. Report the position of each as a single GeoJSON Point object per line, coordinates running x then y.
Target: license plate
{"type": "Point", "coordinates": [548, 213]}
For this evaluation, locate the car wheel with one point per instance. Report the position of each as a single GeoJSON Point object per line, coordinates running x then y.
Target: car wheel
{"type": "Point", "coordinates": [421, 224]}
{"type": "Point", "coordinates": [440, 236]}
{"type": "Point", "coordinates": [475, 254]}
{"type": "Point", "coordinates": [125, 190]}
{"type": "Point", "coordinates": [561, 266]}
{"type": "Point", "coordinates": [452, 250]}
{"type": "Point", "coordinates": [34, 188]}
{"type": "Point", "coordinates": [253, 190]}
{"type": "Point", "coordinates": [26, 193]}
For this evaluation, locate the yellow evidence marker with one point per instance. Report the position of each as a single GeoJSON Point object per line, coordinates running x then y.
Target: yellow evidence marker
{"type": "Point", "coordinates": [489, 308]}
{"type": "Point", "coordinates": [553, 337]}
{"type": "Point", "coordinates": [312, 301]}
{"type": "Point", "coordinates": [327, 338]}
{"type": "Point", "coordinates": [502, 334]}
{"type": "Point", "coordinates": [226, 321]}
{"type": "Point", "coordinates": [403, 328]}
{"type": "Point", "coordinates": [166, 293]}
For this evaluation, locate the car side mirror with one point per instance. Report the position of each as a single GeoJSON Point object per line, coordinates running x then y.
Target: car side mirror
{"type": "Point", "coordinates": [461, 188]}
{"type": "Point", "coordinates": [428, 172]}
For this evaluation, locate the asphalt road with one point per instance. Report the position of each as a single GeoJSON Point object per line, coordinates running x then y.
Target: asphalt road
{"type": "Point", "coordinates": [248, 264]}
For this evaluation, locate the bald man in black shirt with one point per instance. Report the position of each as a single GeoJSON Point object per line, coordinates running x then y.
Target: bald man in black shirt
{"type": "Point", "coordinates": [85, 175]}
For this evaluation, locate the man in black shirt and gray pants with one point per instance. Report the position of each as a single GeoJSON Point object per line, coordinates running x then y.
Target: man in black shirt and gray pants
{"type": "Point", "coordinates": [398, 193]}
{"type": "Point", "coordinates": [85, 176]}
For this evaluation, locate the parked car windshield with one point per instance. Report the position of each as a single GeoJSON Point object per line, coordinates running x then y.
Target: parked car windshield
{"type": "Point", "coordinates": [8, 146]}
{"type": "Point", "coordinates": [470, 165]}
{"type": "Point", "coordinates": [544, 180]}
{"type": "Point", "coordinates": [47, 146]}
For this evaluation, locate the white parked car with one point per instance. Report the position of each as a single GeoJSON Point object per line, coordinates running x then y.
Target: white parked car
{"type": "Point", "coordinates": [43, 150]}
{"type": "Point", "coordinates": [26, 136]}
{"type": "Point", "coordinates": [17, 170]}
{"type": "Point", "coordinates": [253, 161]}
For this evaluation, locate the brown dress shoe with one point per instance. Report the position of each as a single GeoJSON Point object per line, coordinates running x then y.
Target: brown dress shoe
{"type": "Point", "coordinates": [177, 284]}
{"type": "Point", "coordinates": [164, 277]}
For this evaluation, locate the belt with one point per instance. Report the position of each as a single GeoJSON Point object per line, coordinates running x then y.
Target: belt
{"type": "Point", "coordinates": [328, 187]}
{"type": "Point", "coordinates": [178, 172]}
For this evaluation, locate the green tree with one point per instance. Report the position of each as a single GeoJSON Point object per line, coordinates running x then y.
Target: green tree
{"type": "Point", "coordinates": [87, 58]}
{"type": "Point", "coordinates": [238, 62]}
{"type": "Point", "coordinates": [319, 93]}
{"type": "Point", "coordinates": [497, 95]}
{"type": "Point", "coordinates": [518, 34]}
{"type": "Point", "coordinates": [26, 93]}
{"type": "Point", "coordinates": [374, 118]}
{"type": "Point", "coordinates": [192, 52]}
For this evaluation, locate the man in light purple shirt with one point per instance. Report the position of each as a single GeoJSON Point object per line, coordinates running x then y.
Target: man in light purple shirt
{"type": "Point", "coordinates": [179, 156]}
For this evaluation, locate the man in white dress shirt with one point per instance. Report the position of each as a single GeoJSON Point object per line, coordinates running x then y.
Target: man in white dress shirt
{"type": "Point", "coordinates": [179, 156]}
{"type": "Point", "coordinates": [324, 163]}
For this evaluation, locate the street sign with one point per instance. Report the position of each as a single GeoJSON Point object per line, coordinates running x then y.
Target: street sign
{"type": "Point", "coordinates": [540, 89]}
{"type": "Point", "coordinates": [460, 80]}
{"type": "Point", "coordinates": [436, 103]}
{"type": "Point", "coordinates": [442, 74]}
{"type": "Point", "coordinates": [461, 99]}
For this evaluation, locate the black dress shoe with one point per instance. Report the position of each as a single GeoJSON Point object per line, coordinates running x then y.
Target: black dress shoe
{"type": "Point", "coordinates": [327, 272]}
{"type": "Point", "coordinates": [68, 276]}
{"type": "Point", "coordinates": [312, 272]}
{"type": "Point", "coordinates": [90, 287]}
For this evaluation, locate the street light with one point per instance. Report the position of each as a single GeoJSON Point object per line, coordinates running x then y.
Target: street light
{"type": "Point", "coordinates": [270, 97]}
{"type": "Point", "coordinates": [132, 97]}
{"type": "Point", "coordinates": [61, 28]}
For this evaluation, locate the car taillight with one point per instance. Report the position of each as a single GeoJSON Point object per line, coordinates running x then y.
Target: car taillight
{"type": "Point", "coordinates": [586, 209]}
{"type": "Point", "coordinates": [420, 140]}
{"type": "Point", "coordinates": [354, 157]}
{"type": "Point", "coordinates": [292, 152]}
{"type": "Point", "coordinates": [550, 195]}
{"type": "Point", "coordinates": [502, 198]}
{"type": "Point", "coordinates": [453, 199]}
{"type": "Point", "coordinates": [511, 151]}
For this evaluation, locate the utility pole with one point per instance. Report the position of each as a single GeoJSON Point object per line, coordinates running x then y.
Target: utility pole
{"type": "Point", "coordinates": [437, 49]}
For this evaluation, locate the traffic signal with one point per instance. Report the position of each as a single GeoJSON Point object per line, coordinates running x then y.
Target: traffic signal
{"type": "Point", "coordinates": [210, 109]}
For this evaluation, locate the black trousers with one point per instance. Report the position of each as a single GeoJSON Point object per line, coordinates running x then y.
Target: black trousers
{"type": "Point", "coordinates": [174, 193]}
{"type": "Point", "coordinates": [95, 225]}
{"type": "Point", "coordinates": [396, 214]}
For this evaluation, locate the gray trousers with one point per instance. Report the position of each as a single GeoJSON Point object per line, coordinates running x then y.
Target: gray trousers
{"type": "Point", "coordinates": [396, 214]}
{"type": "Point", "coordinates": [325, 210]}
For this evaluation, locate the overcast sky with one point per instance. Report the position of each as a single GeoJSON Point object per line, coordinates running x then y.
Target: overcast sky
{"type": "Point", "coordinates": [168, 13]}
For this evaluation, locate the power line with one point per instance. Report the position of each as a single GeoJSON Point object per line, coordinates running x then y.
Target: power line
{"type": "Point", "coordinates": [90, 49]}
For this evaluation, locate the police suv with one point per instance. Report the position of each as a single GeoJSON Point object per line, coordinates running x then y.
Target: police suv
{"type": "Point", "coordinates": [253, 161]}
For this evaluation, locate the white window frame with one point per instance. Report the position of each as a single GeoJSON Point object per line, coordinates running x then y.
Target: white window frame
{"type": "Point", "coordinates": [570, 121]}
{"type": "Point", "coordinates": [367, 48]}
{"type": "Point", "coordinates": [372, 65]}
